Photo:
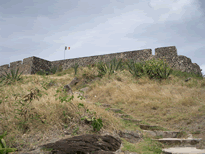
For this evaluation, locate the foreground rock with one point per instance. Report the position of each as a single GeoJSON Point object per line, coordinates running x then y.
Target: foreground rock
{"type": "Point", "coordinates": [95, 144]}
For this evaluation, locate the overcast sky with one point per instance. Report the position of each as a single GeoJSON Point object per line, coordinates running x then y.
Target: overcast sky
{"type": "Point", "coordinates": [43, 28]}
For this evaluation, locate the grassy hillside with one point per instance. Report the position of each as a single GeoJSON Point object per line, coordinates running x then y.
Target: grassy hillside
{"type": "Point", "coordinates": [155, 97]}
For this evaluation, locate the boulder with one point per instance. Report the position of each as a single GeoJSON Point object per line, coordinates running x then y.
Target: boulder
{"type": "Point", "coordinates": [95, 144]}
{"type": "Point", "coordinates": [74, 81]}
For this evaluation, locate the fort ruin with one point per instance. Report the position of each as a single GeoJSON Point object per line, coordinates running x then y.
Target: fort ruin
{"type": "Point", "coordinates": [32, 65]}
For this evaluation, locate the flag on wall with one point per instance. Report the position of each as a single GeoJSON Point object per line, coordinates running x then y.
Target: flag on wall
{"type": "Point", "coordinates": [66, 48]}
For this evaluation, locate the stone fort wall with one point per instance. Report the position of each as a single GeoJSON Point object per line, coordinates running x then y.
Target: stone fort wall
{"type": "Point", "coordinates": [33, 64]}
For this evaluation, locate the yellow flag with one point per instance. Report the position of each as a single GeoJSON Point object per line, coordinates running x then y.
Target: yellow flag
{"type": "Point", "coordinates": [68, 48]}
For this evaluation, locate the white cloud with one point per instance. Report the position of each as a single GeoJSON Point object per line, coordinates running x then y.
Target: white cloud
{"type": "Point", "coordinates": [176, 9]}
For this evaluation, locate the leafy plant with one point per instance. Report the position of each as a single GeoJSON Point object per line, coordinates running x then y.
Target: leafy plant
{"type": "Point", "coordinates": [157, 69]}
{"type": "Point", "coordinates": [96, 123]}
{"type": "Point", "coordinates": [3, 147]}
{"type": "Point", "coordinates": [136, 69]}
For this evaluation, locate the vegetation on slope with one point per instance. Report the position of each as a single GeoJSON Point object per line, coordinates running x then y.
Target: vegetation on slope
{"type": "Point", "coordinates": [150, 91]}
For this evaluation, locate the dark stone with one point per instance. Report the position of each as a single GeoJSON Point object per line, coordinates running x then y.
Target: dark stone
{"type": "Point", "coordinates": [74, 81]}
{"type": "Point", "coordinates": [131, 136]}
{"type": "Point", "coordinates": [187, 79]}
{"type": "Point", "coordinates": [95, 144]}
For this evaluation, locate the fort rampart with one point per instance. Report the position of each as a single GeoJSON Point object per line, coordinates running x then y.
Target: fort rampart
{"type": "Point", "coordinates": [33, 64]}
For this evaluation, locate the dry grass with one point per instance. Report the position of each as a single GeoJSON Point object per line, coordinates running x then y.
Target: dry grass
{"type": "Point", "coordinates": [173, 104]}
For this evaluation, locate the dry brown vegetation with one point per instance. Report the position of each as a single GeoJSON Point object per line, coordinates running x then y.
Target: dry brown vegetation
{"type": "Point", "coordinates": [171, 103]}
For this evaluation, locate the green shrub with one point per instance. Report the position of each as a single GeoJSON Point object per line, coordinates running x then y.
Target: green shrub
{"type": "Point", "coordinates": [136, 69]}
{"type": "Point", "coordinates": [109, 67]}
{"type": "Point", "coordinates": [157, 69]}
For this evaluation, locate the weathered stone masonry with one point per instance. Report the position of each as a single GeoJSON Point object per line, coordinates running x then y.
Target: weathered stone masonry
{"type": "Point", "coordinates": [33, 64]}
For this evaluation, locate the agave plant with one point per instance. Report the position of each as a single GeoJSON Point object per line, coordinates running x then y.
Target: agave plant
{"type": "Point", "coordinates": [13, 77]}
{"type": "Point", "coordinates": [75, 68]}
{"type": "Point", "coordinates": [136, 69]}
{"type": "Point", "coordinates": [109, 67]}
{"type": "Point", "coordinates": [157, 69]}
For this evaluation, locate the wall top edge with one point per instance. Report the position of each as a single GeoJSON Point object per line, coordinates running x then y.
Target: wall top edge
{"type": "Point", "coordinates": [106, 54]}
{"type": "Point", "coordinates": [16, 61]}
{"type": "Point", "coordinates": [39, 58]}
{"type": "Point", "coordinates": [166, 47]}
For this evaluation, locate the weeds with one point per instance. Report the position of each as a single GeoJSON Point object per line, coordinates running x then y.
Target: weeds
{"type": "Point", "coordinates": [96, 123]}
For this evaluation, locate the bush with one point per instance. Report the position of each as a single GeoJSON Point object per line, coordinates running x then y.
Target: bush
{"type": "Point", "coordinates": [109, 67]}
{"type": "Point", "coordinates": [157, 69]}
{"type": "Point", "coordinates": [136, 69]}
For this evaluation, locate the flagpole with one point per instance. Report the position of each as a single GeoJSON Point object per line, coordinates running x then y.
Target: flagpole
{"type": "Point", "coordinates": [66, 49]}
{"type": "Point", "coordinates": [64, 52]}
